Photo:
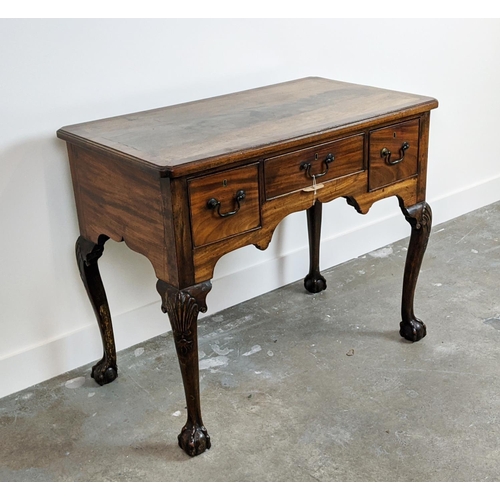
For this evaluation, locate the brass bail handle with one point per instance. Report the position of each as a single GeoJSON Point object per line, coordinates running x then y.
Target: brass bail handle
{"type": "Point", "coordinates": [307, 166]}
{"type": "Point", "coordinates": [386, 154]}
{"type": "Point", "coordinates": [213, 204]}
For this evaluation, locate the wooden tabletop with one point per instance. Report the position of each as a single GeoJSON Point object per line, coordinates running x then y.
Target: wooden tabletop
{"type": "Point", "coordinates": [184, 138]}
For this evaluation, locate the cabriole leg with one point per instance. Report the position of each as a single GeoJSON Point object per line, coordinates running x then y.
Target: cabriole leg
{"type": "Point", "coordinates": [314, 282]}
{"type": "Point", "coordinates": [87, 255]}
{"type": "Point", "coordinates": [420, 218]}
{"type": "Point", "coordinates": [183, 307]}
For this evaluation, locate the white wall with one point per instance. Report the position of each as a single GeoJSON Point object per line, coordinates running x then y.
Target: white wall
{"type": "Point", "coordinates": [59, 72]}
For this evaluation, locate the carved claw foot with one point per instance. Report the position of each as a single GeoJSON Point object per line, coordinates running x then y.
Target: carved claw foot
{"type": "Point", "coordinates": [314, 283]}
{"type": "Point", "coordinates": [194, 439]}
{"type": "Point", "coordinates": [182, 307]}
{"type": "Point", "coordinates": [87, 255]}
{"type": "Point", "coordinates": [103, 372]}
{"type": "Point", "coordinates": [415, 330]}
{"type": "Point", "coordinates": [420, 218]}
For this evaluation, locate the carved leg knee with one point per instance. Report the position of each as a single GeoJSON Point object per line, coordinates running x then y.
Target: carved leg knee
{"type": "Point", "coordinates": [182, 307]}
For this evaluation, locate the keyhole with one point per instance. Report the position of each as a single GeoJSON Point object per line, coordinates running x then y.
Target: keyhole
{"type": "Point", "coordinates": [394, 135]}
{"type": "Point", "coordinates": [224, 182]}
{"type": "Point", "coordinates": [316, 156]}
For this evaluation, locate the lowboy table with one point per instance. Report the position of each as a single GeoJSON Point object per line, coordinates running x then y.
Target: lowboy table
{"type": "Point", "coordinates": [184, 185]}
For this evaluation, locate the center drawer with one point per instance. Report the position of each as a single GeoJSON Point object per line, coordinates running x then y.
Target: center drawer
{"type": "Point", "coordinates": [294, 171]}
{"type": "Point", "coordinates": [224, 204]}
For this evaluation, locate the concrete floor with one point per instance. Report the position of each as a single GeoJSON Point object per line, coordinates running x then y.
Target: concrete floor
{"type": "Point", "coordinates": [298, 387]}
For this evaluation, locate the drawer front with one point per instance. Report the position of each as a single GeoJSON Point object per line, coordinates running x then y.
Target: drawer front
{"type": "Point", "coordinates": [293, 171]}
{"type": "Point", "coordinates": [224, 204]}
{"type": "Point", "coordinates": [393, 154]}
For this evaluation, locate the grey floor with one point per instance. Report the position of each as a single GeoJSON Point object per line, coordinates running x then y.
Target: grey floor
{"type": "Point", "coordinates": [298, 387]}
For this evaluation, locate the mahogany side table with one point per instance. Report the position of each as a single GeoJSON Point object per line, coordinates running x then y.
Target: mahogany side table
{"type": "Point", "coordinates": [183, 185]}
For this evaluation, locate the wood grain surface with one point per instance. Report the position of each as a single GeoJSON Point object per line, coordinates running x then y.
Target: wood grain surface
{"type": "Point", "coordinates": [189, 137]}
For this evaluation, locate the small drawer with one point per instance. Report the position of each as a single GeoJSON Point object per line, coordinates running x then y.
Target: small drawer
{"type": "Point", "coordinates": [224, 204]}
{"type": "Point", "coordinates": [393, 154]}
{"type": "Point", "coordinates": [293, 171]}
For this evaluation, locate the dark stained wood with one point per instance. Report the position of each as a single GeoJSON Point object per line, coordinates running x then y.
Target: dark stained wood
{"type": "Point", "coordinates": [117, 199]}
{"type": "Point", "coordinates": [182, 239]}
{"type": "Point", "coordinates": [286, 173]}
{"type": "Point", "coordinates": [190, 137]}
{"type": "Point", "coordinates": [169, 183]}
{"type": "Point", "coordinates": [273, 212]}
{"type": "Point", "coordinates": [422, 155]}
{"type": "Point", "coordinates": [391, 139]}
{"type": "Point", "coordinates": [405, 191]}
{"type": "Point", "coordinates": [213, 224]}
{"type": "Point", "coordinates": [87, 255]}
{"type": "Point", "coordinates": [420, 218]}
{"type": "Point", "coordinates": [182, 307]}
{"type": "Point", "coordinates": [314, 282]}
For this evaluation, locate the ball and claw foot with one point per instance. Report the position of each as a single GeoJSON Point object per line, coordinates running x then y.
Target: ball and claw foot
{"type": "Point", "coordinates": [103, 372]}
{"type": "Point", "coordinates": [314, 283]}
{"type": "Point", "coordinates": [194, 440]}
{"type": "Point", "coordinates": [414, 330]}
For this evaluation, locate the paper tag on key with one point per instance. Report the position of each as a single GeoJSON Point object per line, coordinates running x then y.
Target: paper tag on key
{"type": "Point", "coordinates": [315, 187]}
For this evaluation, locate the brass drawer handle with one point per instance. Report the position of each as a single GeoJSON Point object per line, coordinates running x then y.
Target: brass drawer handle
{"type": "Point", "coordinates": [386, 154]}
{"type": "Point", "coordinates": [307, 166]}
{"type": "Point", "coordinates": [215, 204]}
